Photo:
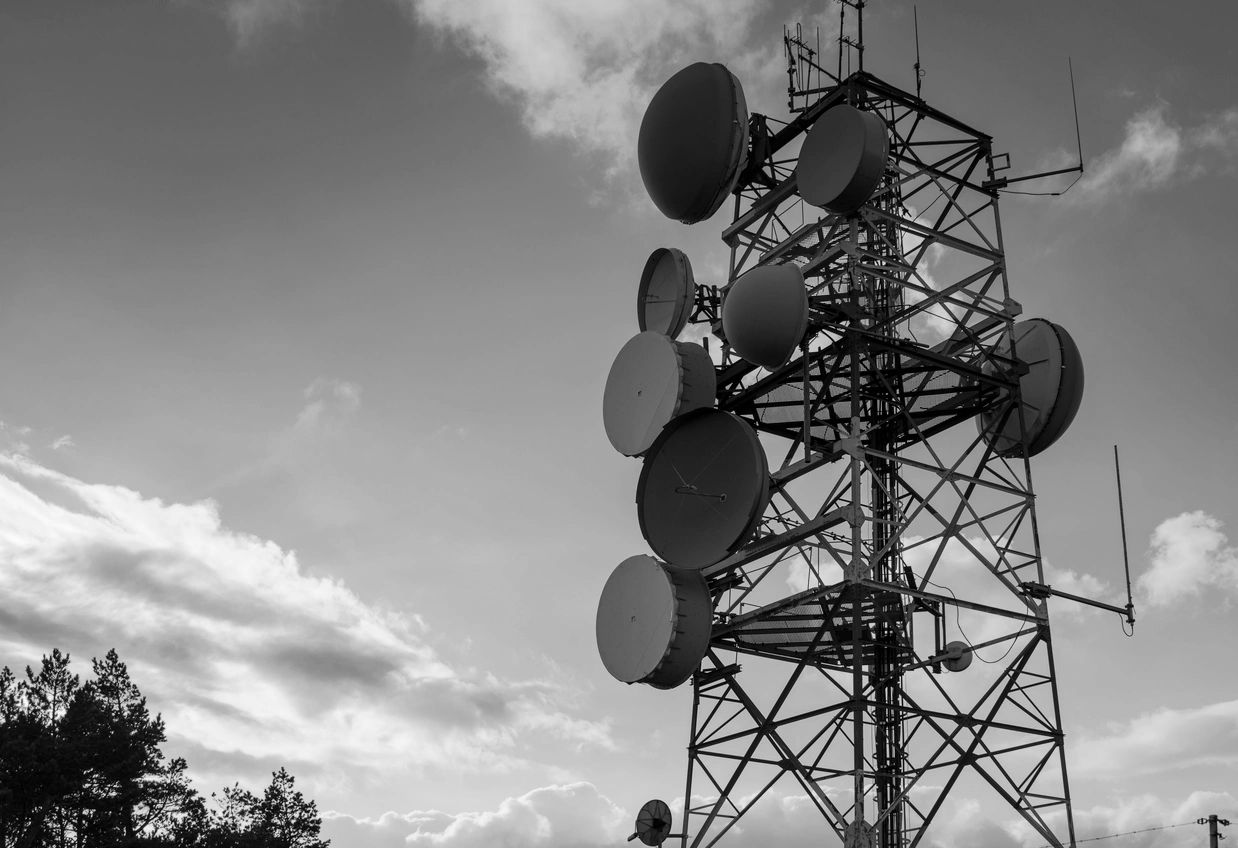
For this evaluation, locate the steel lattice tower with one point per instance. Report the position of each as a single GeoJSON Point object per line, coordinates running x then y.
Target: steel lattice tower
{"type": "Point", "coordinates": [888, 422]}
{"type": "Point", "coordinates": [900, 503]}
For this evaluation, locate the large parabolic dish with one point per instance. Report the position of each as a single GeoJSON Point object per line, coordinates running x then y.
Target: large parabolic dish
{"type": "Point", "coordinates": [702, 489]}
{"type": "Point", "coordinates": [667, 289]}
{"type": "Point", "coordinates": [693, 142]}
{"type": "Point", "coordinates": [765, 314]}
{"type": "Point", "coordinates": [1051, 390]}
{"type": "Point", "coordinates": [653, 380]}
{"type": "Point", "coordinates": [842, 159]}
{"type": "Point", "coordinates": [653, 622]}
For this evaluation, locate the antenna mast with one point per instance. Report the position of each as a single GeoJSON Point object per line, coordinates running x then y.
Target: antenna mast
{"type": "Point", "coordinates": [856, 43]}
{"type": "Point", "coordinates": [841, 495]}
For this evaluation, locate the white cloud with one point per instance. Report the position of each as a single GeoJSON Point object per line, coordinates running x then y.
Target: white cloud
{"type": "Point", "coordinates": [1218, 132]}
{"type": "Point", "coordinates": [579, 816]}
{"type": "Point", "coordinates": [1147, 158]}
{"type": "Point", "coordinates": [328, 405]}
{"type": "Point", "coordinates": [250, 19]}
{"type": "Point", "coordinates": [584, 70]}
{"type": "Point", "coordinates": [1137, 816]}
{"type": "Point", "coordinates": [579, 70]}
{"type": "Point", "coordinates": [1155, 151]}
{"type": "Point", "coordinates": [575, 815]}
{"type": "Point", "coordinates": [1141, 821]}
{"type": "Point", "coordinates": [1163, 740]}
{"type": "Point", "coordinates": [310, 466]}
{"type": "Point", "coordinates": [14, 438]}
{"type": "Point", "coordinates": [937, 322]}
{"type": "Point", "coordinates": [251, 660]}
{"type": "Point", "coordinates": [63, 443]}
{"type": "Point", "coordinates": [1190, 552]}
{"type": "Point", "coordinates": [1082, 584]}
{"type": "Point", "coordinates": [967, 826]}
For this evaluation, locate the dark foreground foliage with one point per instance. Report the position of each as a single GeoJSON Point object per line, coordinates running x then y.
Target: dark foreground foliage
{"type": "Point", "coordinates": [81, 767]}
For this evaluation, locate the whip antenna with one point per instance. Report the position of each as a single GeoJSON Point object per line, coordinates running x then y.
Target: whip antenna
{"type": "Point", "coordinates": [1126, 561]}
{"type": "Point", "coordinates": [915, 17]}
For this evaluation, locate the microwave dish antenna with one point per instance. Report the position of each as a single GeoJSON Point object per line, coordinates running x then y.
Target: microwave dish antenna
{"type": "Point", "coordinates": [843, 159]}
{"type": "Point", "coordinates": [1050, 389]}
{"type": "Point", "coordinates": [665, 296]}
{"type": "Point", "coordinates": [654, 379]}
{"type": "Point", "coordinates": [653, 823]}
{"type": "Point", "coordinates": [703, 488]}
{"type": "Point", "coordinates": [693, 142]}
{"type": "Point", "coordinates": [765, 314]}
{"type": "Point", "coordinates": [653, 622]}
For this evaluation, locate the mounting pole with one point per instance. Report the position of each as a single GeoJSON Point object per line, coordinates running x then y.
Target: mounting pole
{"type": "Point", "coordinates": [844, 41]}
{"type": "Point", "coordinates": [1214, 836]}
{"type": "Point", "coordinates": [859, 6]}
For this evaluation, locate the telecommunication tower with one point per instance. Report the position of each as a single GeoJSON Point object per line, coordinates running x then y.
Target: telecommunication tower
{"type": "Point", "coordinates": [839, 499]}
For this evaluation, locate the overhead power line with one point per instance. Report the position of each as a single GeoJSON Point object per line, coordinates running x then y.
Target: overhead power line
{"type": "Point", "coordinates": [1127, 833]}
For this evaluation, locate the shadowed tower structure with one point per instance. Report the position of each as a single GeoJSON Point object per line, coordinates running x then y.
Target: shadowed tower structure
{"type": "Point", "coordinates": [836, 488]}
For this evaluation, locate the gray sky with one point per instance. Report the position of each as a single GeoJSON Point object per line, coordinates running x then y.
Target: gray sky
{"type": "Point", "coordinates": [306, 308]}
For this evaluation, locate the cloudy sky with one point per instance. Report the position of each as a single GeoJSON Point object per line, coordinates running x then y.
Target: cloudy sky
{"type": "Point", "coordinates": [305, 311]}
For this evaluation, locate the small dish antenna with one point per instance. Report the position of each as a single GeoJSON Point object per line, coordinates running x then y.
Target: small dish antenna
{"type": "Point", "coordinates": [765, 314]}
{"type": "Point", "coordinates": [653, 823]}
{"type": "Point", "coordinates": [958, 656]}
{"type": "Point", "coordinates": [693, 142]}
{"type": "Point", "coordinates": [667, 288]}
{"type": "Point", "coordinates": [703, 488]}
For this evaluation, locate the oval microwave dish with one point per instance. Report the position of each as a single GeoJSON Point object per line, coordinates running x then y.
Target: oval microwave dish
{"type": "Point", "coordinates": [693, 142]}
{"type": "Point", "coordinates": [1049, 393]}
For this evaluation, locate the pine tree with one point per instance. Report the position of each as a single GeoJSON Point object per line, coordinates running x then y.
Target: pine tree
{"type": "Point", "coordinates": [40, 765]}
{"type": "Point", "coordinates": [287, 816]}
{"type": "Point", "coordinates": [129, 741]}
{"type": "Point", "coordinates": [83, 766]}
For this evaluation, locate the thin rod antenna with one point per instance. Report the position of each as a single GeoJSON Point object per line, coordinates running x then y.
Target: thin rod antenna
{"type": "Point", "coordinates": [1001, 182]}
{"type": "Point", "coordinates": [1126, 561]}
{"type": "Point", "coordinates": [1074, 102]}
{"type": "Point", "coordinates": [842, 30]}
{"type": "Point", "coordinates": [844, 41]}
{"type": "Point", "coordinates": [859, 6]}
{"type": "Point", "coordinates": [915, 17]}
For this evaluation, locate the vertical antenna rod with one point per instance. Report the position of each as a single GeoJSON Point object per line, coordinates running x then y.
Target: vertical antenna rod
{"type": "Point", "coordinates": [915, 17]}
{"type": "Point", "coordinates": [1074, 101]}
{"type": "Point", "coordinates": [845, 41]}
{"type": "Point", "coordinates": [859, 7]}
{"type": "Point", "coordinates": [1126, 561]}
{"type": "Point", "coordinates": [842, 29]}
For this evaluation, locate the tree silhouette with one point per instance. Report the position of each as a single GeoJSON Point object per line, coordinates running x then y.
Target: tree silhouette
{"type": "Point", "coordinates": [291, 820]}
{"type": "Point", "coordinates": [82, 766]}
